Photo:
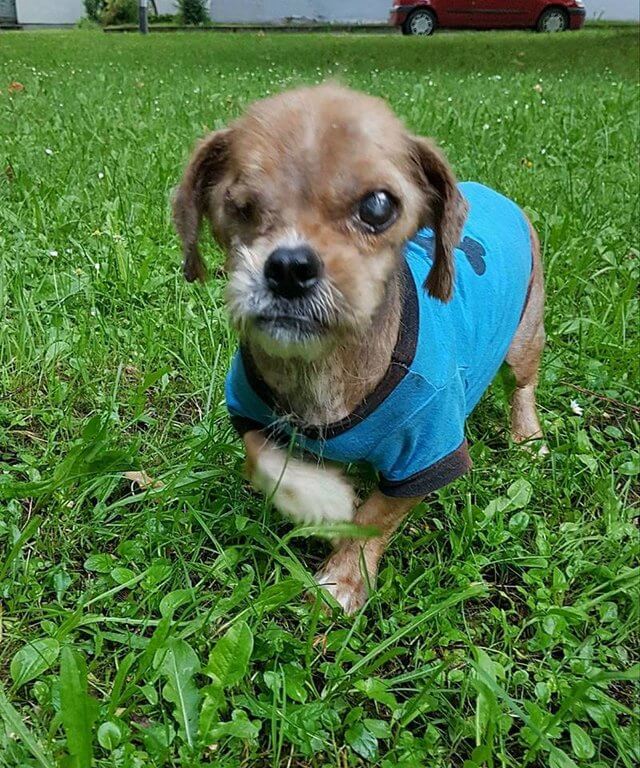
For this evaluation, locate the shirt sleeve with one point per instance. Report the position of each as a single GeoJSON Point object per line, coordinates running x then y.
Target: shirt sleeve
{"type": "Point", "coordinates": [428, 450]}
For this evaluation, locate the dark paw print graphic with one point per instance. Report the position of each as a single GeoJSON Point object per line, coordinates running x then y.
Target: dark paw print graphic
{"type": "Point", "coordinates": [475, 253]}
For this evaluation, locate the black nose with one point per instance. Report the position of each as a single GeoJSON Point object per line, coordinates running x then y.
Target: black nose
{"type": "Point", "coordinates": [292, 272]}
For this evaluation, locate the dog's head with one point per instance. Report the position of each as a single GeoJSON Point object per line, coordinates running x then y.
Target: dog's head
{"type": "Point", "coordinates": [312, 193]}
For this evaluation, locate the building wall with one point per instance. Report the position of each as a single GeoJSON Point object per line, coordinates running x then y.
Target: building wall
{"type": "Point", "coordinates": [49, 11]}
{"type": "Point", "coordinates": [58, 12]}
{"type": "Point", "coordinates": [613, 10]}
{"type": "Point", "coordinates": [301, 10]}
{"type": "Point", "coordinates": [166, 6]}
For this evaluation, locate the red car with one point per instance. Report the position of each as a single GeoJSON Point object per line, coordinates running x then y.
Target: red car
{"type": "Point", "coordinates": [422, 17]}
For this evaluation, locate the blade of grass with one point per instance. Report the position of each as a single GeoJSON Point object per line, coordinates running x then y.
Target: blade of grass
{"type": "Point", "coordinates": [15, 724]}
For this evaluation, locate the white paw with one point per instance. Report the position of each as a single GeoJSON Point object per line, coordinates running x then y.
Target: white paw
{"type": "Point", "coordinates": [304, 492]}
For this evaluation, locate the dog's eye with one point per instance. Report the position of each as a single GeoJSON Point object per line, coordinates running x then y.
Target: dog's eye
{"type": "Point", "coordinates": [244, 212]}
{"type": "Point", "coordinates": [377, 211]}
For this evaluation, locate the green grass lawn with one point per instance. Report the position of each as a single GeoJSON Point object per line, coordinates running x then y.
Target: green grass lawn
{"type": "Point", "coordinates": [169, 628]}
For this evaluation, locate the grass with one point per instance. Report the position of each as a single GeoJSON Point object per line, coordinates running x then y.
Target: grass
{"type": "Point", "coordinates": [167, 627]}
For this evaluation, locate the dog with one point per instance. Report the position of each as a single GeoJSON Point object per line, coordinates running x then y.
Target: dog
{"type": "Point", "coordinates": [375, 299]}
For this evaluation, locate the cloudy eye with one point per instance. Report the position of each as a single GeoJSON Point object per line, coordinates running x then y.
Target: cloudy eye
{"type": "Point", "coordinates": [377, 211]}
{"type": "Point", "coordinates": [244, 211]}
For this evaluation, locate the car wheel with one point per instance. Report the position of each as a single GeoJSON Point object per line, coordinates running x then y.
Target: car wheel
{"type": "Point", "coordinates": [421, 22]}
{"type": "Point", "coordinates": [553, 20]}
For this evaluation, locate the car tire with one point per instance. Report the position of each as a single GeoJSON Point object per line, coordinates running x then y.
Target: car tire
{"type": "Point", "coordinates": [553, 20]}
{"type": "Point", "coordinates": [421, 22]}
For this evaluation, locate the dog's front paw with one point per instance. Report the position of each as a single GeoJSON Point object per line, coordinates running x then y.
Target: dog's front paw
{"type": "Point", "coordinates": [304, 492]}
{"type": "Point", "coordinates": [316, 497]}
{"type": "Point", "coordinates": [343, 580]}
{"type": "Point", "coordinates": [536, 446]}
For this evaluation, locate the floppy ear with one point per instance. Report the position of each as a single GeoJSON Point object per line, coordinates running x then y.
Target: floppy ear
{"type": "Point", "coordinates": [446, 211]}
{"type": "Point", "coordinates": [191, 198]}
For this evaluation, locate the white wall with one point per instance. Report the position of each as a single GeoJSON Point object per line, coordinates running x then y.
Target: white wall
{"type": "Point", "coordinates": [65, 11]}
{"type": "Point", "coordinates": [49, 11]}
{"type": "Point", "coordinates": [166, 6]}
{"type": "Point", "coordinates": [613, 10]}
{"type": "Point", "coordinates": [317, 10]}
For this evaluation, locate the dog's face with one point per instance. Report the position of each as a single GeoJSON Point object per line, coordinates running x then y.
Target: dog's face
{"type": "Point", "coordinates": [313, 193]}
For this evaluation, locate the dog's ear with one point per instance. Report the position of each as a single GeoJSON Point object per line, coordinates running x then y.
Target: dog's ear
{"type": "Point", "coordinates": [445, 211]}
{"type": "Point", "coordinates": [191, 198]}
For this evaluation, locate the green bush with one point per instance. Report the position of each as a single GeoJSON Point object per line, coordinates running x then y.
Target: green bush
{"type": "Point", "coordinates": [94, 9]}
{"type": "Point", "coordinates": [162, 18]}
{"type": "Point", "coordinates": [192, 12]}
{"type": "Point", "coordinates": [120, 12]}
{"type": "Point", "coordinates": [87, 23]}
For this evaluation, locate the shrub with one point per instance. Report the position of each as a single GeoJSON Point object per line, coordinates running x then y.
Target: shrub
{"type": "Point", "coordinates": [94, 9]}
{"type": "Point", "coordinates": [192, 12]}
{"type": "Point", "coordinates": [120, 12]}
{"type": "Point", "coordinates": [86, 23]}
{"type": "Point", "coordinates": [162, 18]}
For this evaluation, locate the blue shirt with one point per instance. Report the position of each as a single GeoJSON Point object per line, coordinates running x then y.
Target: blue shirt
{"type": "Point", "coordinates": [411, 427]}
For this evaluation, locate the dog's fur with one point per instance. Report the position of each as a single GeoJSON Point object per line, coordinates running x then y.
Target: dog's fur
{"type": "Point", "coordinates": [292, 170]}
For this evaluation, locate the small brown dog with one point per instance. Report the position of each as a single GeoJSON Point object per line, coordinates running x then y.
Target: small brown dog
{"type": "Point", "coordinates": [364, 336]}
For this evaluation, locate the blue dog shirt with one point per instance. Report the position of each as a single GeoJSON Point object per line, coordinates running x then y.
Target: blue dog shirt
{"type": "Point", "coordinates": [411, 427]}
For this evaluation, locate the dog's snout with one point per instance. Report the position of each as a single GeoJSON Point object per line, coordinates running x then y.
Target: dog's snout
{"type": "Point", "coordinates": [292, 272]}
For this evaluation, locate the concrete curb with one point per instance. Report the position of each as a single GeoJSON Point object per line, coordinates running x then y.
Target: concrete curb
{"type": "Point", "coordinates": [381, 28]}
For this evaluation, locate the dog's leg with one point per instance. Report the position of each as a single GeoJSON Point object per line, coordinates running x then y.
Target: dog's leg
{"type": "Point", "coordinates": [524, 357]}
{"type": "Point", "coordinates": [354, 564]}
{"type": "Point", "coordinates": [304, 492]}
